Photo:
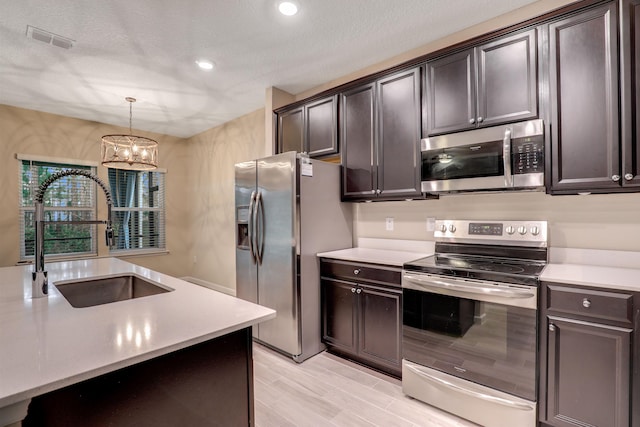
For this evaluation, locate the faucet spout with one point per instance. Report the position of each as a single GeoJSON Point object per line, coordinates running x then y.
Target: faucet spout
{"type": "Point", "coordinates": [39, 279]}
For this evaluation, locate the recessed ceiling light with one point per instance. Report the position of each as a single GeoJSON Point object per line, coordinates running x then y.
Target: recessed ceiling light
{"type": "Point", "coordinates": [205, 64]}
{"type": "Point", "coordinates": [288, 8]}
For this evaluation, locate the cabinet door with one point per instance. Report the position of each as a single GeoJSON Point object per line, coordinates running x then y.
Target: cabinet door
{"type": "Point", "coordinates": [338, 302]}
{"type": "Point", "coordinates": [398, 139]}
{"type": "Point", "coordinates": [588, 373]}
{"type": "Point", "coordinates": [451, 93]}
{"type": "Point", "coordinates": [290, 131]}
{"type": "Point", "coordinates": [583, 86]}
{"type": "Point", "coordinates": [357, 127]}
{"type": "Point", "coordinates": [507, 79]}
{"type": "Point", "coordinates": [380, 326]}
{"type": "Point", "coordinates": [321, 127]}
{"type": "Point", "coordinates": [630, 93]}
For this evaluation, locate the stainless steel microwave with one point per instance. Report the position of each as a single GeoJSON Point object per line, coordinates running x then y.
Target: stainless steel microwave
{"type": "Point", "coordinates": [508, 157]}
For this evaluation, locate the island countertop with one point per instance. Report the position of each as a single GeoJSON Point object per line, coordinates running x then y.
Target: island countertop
{"type": "Point", "coordinates": [46, 344]}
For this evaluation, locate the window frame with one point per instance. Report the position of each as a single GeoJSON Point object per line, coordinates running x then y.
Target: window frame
{"type": "Point", "coordinates": [159, 211]}
{"type": "Point", "coordinates": [29, 206]}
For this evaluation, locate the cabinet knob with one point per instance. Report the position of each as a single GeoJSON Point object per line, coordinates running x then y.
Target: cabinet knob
{"type": "Point", "coordinates": [586, 303]}
{"type": "Point", "coordinates": [353, 290]}
{"type": "Point", "coordinates": [552, 327]}
{"type": "Point", "coordinates": [356, 271]}
{"type": "Point", "coordinates": [628, 176]}
{"type": "Point", "coordinates": [615, 178]}
{"type": "Point", "coordinates": [378, 191]}
{"type": "Point", "coordinates": [358, 291]}
{"type": "Point", "coordinates": [480, 119]}
{"type": "Point", "coordinates": [472, 121]}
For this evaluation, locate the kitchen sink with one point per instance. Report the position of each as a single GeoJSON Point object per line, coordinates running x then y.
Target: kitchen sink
{"type": "Point", "coordinates": [105, 290]}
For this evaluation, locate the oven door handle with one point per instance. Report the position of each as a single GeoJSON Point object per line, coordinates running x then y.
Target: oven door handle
{"type": "Point", "coordinates": [430, 282]}
{"type": "Point", "coordinates": [476, 394]}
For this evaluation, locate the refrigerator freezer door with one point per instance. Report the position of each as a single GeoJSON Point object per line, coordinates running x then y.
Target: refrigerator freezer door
{"type": "Point", "coordinates": [246, 269]}
{"type": "Point", "coordinates": [277, 288]}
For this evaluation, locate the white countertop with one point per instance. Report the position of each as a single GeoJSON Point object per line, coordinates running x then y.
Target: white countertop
{"type": "Point", "coordinates": [374, 256]}
{"type": "Point", "coordinates": [625, 279]}
{"type": "Point", "coordinates": [383, 251]}
{"type": "Point", "coordinates": [45, 343]}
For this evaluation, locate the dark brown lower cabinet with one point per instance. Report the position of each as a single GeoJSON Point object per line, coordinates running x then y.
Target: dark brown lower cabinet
{"type": "Point", "coordinates": [361, 320]}
{"type": "Point", "coordinates": [208, 384]}
{"type": "Point", "coordinates": [588, 367]}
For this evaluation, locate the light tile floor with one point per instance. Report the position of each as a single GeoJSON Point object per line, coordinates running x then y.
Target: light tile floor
{"type": "Point", "coordinates": [327, 390]}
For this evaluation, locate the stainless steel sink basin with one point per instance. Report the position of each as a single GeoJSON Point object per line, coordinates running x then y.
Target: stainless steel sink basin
{"type": "Point", "coordinates": [90, 292]}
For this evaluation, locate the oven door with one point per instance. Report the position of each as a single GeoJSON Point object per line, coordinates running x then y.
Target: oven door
{"type": "Point", "coordinates": [483, 332]}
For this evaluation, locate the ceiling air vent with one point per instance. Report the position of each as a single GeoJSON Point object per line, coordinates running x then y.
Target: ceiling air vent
{"type": "Point", "coordinates": [49, 38]}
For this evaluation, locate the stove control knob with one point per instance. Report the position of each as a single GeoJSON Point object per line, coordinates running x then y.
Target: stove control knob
{"type": "Point", "coordinates": [522, 230]}
{"type": "Point", "coordinates": [442, 228]}
{"type": "Point", "coordinates": [452, 228]}
{"type": "Point", "coordinates": [535, 230]}
{"type": "Point", "coordinates": [510, 229]}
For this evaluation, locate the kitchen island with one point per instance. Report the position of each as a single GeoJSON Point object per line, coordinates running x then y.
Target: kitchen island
{"type": "Point", "coordinates": [168, 350]}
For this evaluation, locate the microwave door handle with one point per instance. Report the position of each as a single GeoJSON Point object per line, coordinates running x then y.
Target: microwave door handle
{"type": "Point", "coordinates": [506, 157]}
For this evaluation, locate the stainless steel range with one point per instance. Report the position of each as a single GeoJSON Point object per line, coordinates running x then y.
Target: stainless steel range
{"type": "Point", "coordinates": [470, 321]}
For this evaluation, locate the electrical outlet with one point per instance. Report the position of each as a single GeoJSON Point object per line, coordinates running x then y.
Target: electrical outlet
{"type": "Point", "coordinates": [389, 224]}
{"type": "Point", "coordinates": [431, 224]}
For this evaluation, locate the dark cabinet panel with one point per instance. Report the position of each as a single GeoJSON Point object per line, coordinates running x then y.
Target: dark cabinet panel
{"type": "Point", "coordinates": [357, 133]}
{"type": "Point", "coordinates": [399, 134]}
{"type": "Point", "coordinates": [380, 322]}
{"type": "Point", "coordinates": [588, 374]}
{"type": "Point", "coordinates": [380, 137]}
{"type": "Point", "coordinates": [310, 128]}
{"type": "Point", "coordinates": [507, 79]}
{"type": "Point", "coordinates": [291, 131]}
{"type": "Point", "coordinates": [583, 88]}
{"type": "Point", "coordinates": [321, 125]}
{"type": "Point", "coordinates": [451, 93]}
{"type": "Point", "coordinates": [490, 84]}
{"type": "Point", "coordinates": [361, 319]}
{"type": "Point", "coordinates": [338, 300]}
{"type": "Point", "coordinates": [630, 93]}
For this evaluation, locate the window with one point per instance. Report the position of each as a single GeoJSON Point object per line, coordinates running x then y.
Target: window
{"type": "Point", "coordinates": [69, 198]}
{"type": "Point", "coordinates": [138, 211]}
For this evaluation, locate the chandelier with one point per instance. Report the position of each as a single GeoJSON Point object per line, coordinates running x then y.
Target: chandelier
{"type": "Point", "coordinates": [129, 151]}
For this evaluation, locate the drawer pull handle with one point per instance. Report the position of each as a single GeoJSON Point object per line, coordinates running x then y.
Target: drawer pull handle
{"type": "Point", "coordinates": [552, 327]}
{"type": "Point", "coordinates": [586, 303]}
{"type": "Point", "coordinates": [356, 271]}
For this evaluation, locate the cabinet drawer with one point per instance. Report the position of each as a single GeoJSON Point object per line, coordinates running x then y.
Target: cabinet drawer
{"type": "Point", "coordinates": [602, 305]}
{"type": "Point", "coordinates": [360, 272]}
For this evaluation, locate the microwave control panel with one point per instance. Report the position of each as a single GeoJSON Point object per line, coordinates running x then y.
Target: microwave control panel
{"type": "Point", "coordinates": [527, 155]}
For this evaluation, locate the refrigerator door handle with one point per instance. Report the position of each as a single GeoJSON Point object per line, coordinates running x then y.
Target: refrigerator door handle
{"type": "Point", "coordinates": [251, 219]}
{"type": "Point", "coordinates": [260, 228]}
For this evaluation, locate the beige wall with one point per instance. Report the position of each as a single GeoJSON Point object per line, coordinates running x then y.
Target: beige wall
{"type": "Point", "coordinates": [43, 134]}
{"type": "Point", "coordinates": [212, 156]}
{"type": "Point", "coordinates": [607, 221]}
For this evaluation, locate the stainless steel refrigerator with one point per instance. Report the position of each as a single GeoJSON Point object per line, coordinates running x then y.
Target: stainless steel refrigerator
{"type": "Point", "coordinates": [287, 209]}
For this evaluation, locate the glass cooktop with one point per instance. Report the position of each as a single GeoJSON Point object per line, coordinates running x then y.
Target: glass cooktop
{"type": "Point", "coordinates": [508, 270]}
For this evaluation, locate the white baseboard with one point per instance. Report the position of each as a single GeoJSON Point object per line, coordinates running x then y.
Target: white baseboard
{"type": "Point", "coordinates": [210, 285]}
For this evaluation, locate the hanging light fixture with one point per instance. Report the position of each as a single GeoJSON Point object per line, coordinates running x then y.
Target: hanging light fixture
{"type": "Point", "coordinates": [129, 151]}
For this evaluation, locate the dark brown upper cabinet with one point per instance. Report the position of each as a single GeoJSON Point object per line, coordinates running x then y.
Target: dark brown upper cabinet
{"type": "Point", "coordinates": [630, 93]}
{"type": "Point", "coordinates": [583, 91]}
{"type": "Point", "coordinates": [486, 85]}
{"type": "Point", "coordinates": [310, 128]}
{"type": "Point", "coordinates": [380, 137]}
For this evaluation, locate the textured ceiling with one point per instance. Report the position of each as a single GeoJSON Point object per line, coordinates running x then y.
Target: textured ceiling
{"type": "Point", "coordinates": [147, 48]}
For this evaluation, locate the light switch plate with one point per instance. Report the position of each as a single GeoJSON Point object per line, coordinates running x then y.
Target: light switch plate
{"type": "Point", "coordinates": [431, 224]}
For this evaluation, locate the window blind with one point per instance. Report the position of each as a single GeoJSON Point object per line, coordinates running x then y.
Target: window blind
{"type": "Point", "coordinates": [138, 211]}
{"type": "Point", "coordinates": [69, 198]}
